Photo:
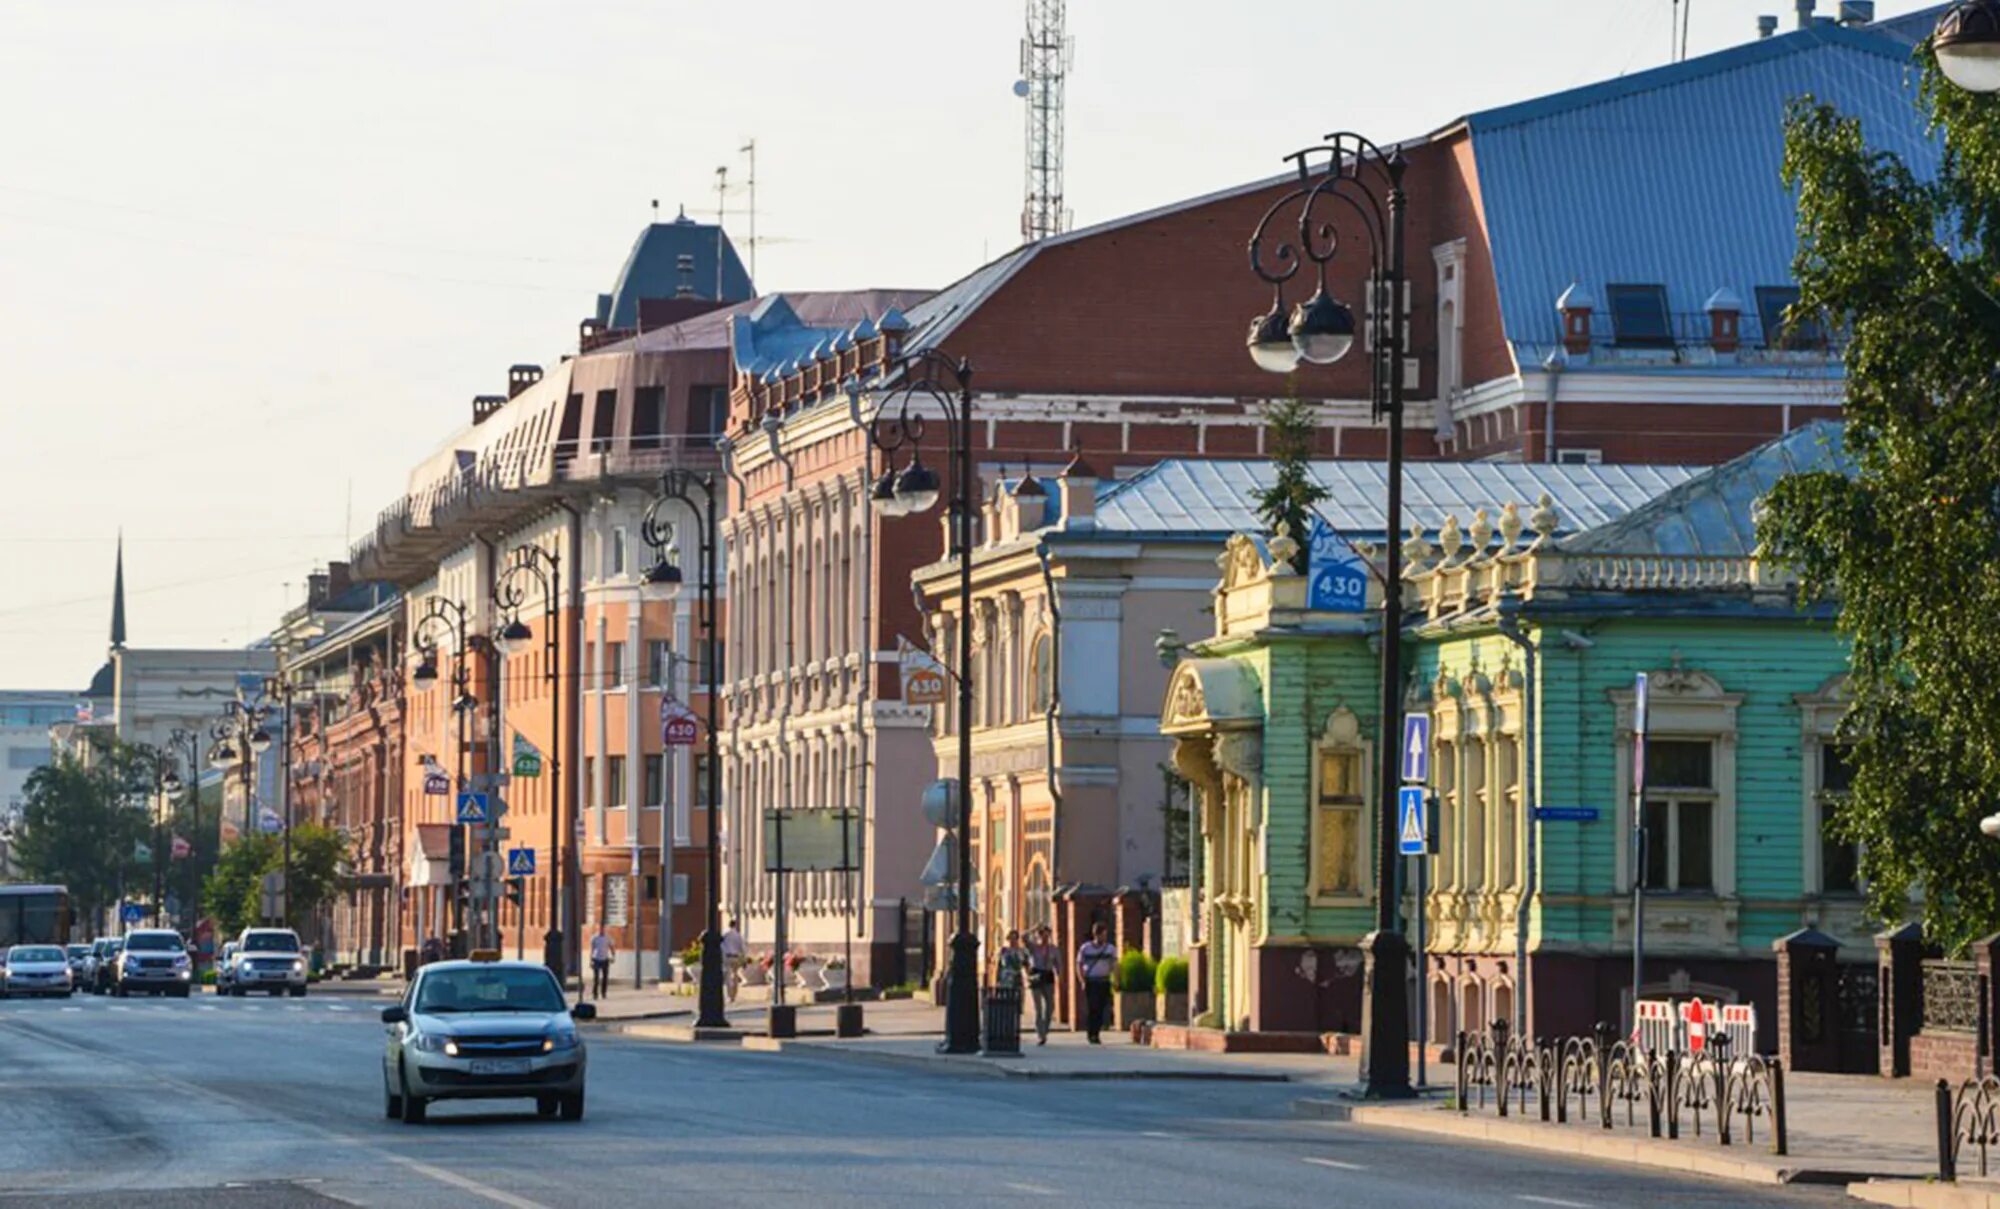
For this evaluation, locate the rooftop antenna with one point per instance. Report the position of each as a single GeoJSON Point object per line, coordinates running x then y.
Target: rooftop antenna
{"type": "Point", "coordinates": [656, 210]}
{"type": "Point", "coordinates": [749, 148]}
{"type": "Point", "coordinates": [1046, 53]}
{"type": "Point", "coordinates": [721, 206]}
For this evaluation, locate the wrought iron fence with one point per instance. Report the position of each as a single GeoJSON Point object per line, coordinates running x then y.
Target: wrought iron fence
{"type": "Point", "coordinates": [1561, 1077]}
{"type": "Point", "coordinates": [1966, 1116]}
{"type": "Point", "coordinates": [1951, 997]}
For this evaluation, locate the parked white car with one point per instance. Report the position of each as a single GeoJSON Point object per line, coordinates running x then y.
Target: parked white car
{"type": "Point", "coordinates": [36, 970]}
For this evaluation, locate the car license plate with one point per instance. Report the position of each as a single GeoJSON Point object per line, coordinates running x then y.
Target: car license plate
{"type": "Point", "coordinates": [499, 1066]}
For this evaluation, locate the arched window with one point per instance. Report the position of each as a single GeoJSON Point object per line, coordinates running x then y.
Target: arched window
{"type": "Point", "coordinates": [1042, 675]}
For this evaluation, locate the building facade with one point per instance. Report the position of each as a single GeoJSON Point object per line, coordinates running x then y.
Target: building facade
{"type": "Point", "coordinates": [26, 717]}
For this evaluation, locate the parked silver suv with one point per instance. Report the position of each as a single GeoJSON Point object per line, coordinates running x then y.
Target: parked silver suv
{"type": "Point", "coordinates": [155, 961]}
{"type": "Point", "coordinates": [266, 959]}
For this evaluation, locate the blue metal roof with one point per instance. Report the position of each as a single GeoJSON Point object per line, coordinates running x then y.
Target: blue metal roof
{"type": "Point", "coordinates": [1212, 499]}
{"type": "Point", "coordinates": [652, 270]}
{"type": "Point", "coordinates": [1713, 513]}
{"type": "Point", "coordinates": [1670, 176]}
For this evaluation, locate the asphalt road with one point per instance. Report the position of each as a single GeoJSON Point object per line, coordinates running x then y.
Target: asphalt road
{"type": "Point", "coordinates": [226, 1103]}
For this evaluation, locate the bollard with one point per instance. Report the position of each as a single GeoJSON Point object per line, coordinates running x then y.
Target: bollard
{"type": "Point", "coordinates": [1947, 1161]}
{"type": "Point", "coordinates": [1499, 1035]}
{"type": "Point", "coordinates": [1779, 1143]}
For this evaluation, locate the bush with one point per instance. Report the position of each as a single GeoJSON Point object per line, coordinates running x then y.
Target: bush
{"type": "Point", "coordinates": [1134, 973]}
{"type": "Point", "coordinates": [691, 956]}
{"type": "Point", "coordinates": [1172, 976]}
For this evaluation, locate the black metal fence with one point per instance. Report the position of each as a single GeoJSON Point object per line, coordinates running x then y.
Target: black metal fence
{"type": "Point", "coordinates": [1590, 1079]}
{"type": "Point", "coordinates": [1968, 1115]}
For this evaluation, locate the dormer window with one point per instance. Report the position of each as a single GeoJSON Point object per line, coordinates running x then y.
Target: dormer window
{"type": "Point", "coordinates": [1783, 330]}
{"type": "Point", "coordinates": [1639, 317]}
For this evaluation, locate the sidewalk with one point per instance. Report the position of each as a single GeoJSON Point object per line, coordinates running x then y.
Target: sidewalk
{"type": "Point", "coordinates": [1840, 1129]}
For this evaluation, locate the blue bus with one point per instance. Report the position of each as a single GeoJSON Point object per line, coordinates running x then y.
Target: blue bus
{"type": "Point", "coordinates": [34, 915]}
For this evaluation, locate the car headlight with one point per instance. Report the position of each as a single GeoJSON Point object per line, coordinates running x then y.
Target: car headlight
{"type": "Point", "coordinates": [559, 1040]}
{"type": "Point", "coordinates": [298, 966]}
{"type": "Point", "coordinates": [434, 1045]}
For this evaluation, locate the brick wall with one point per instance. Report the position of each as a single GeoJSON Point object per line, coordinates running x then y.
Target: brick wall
{"type": "Point", "coordinates": [1951, 1056]}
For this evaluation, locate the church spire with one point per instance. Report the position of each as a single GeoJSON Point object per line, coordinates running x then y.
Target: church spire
{"type": "Point", "coordinates": [118, 598]}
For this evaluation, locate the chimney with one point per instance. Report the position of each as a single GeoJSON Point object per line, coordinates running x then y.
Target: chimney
{"type": "Point", "coordinates": [1575, 305]}
{"type": "Point", "coordinates": [1076, 491]}
{"type": "Point", "coordinates": [483, 407]}
{"type": "Point", "coordinates": [339, 578]}
{"type": "Point", "coordinates": [1856, 13]}
{"type": "Point", "coordinates": [1804, 8]}
{"type": "Point", "coordinates": [1767, 25]}
{"type": "Point", "coordinates": [521, 377]}
{"type": "Point", "coordinates": [684, 264]}
{"type": "Point", "coordinates": [1031, 504]}
{"type": "Point", "coordinates": [316, 592]}
{"type": "Point", "coordinates": [1725, 310]}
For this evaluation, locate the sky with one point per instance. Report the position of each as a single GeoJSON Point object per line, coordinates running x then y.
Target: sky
{"type": "Point", "coordinates": [256, 258]}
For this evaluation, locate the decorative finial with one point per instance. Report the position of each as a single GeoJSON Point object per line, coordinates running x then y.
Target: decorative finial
{"type": "Point", "coordinates": [1543, 519]}
{"type": "Point", "coordinates": [1450, 537]}
{"type": "Point", "coordinates": [1482, 532]}
{"type": "Point", "coordinates": [1510, 525]}
{"type": "Point", "coordinates": [1415, 549]}
{"type": "Point", "coordinates": [1283, 550]}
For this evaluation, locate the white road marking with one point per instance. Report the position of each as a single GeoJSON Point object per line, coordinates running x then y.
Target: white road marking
{"type": "Point", "coordinates": [119, 1007]}
{"type": "Point", "coordinates": [1336, 1164]}
{"type": "Point", "coordinates": [1159, 1133]}
{"type": "Point", "coordinates": [465, 1183]}
{"type": "Point", "coordinates": [1033, 1189]}
{"type": "Point", "coordinates": [334, 1007]}
{"type": "Point", "coordinates": [253, 1007]}
{"type": "Point", "coordinates": [204, 1007]}
{"type": "Point", "coordinates": [72, 1009]}
{"type": "Point", "coordinates": [294, 1009]}
{"type": "Point", "coordinates": [1550, 1200]}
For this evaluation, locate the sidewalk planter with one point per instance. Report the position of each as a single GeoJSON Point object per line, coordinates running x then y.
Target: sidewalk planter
{"type": "Point", "coordinates": [1171, 981]}
{"type": "Point", "coordinates": [1131, 1007]}
{"type": "Point", "coordinates": [1173, 1007]}
{"type": "Point", "coordinates": [1133, 980]}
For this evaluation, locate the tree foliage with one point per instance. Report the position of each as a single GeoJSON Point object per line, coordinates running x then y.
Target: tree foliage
{"type": "Point", "coordinates": [80, 829]}
{"type": "Point", "coordinates": [233, 893]}
{"type": "Point", "coordinates": [1908, 545]}
{"type": "Point", "coordinates": [1289, 500]}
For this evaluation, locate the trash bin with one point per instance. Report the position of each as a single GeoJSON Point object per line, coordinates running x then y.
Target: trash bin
{"type": "Point", "coordinates": [1003, 1020]}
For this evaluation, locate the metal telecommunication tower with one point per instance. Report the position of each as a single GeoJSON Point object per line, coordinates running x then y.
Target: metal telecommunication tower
{"type": "Point", "coordinates": [1045, 60]}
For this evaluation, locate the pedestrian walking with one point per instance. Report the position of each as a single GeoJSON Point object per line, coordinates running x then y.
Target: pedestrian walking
{"type": "Point", "coordinates": [433, 950]}
{"type": "Point", "coordinates": [732, 957]}
{"type": "Point", "coordinates": [1094, 962]}
{"type": "Point", "coordinates": [1043, 962]}
{"type": "Point", "coordinates": [601, 953]}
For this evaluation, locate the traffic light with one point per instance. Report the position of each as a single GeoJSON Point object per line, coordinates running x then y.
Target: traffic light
{"type": "Point", "coordinates": [513, 890]}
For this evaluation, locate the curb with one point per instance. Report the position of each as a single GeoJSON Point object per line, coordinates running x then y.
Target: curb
{"type": "Point", "coordinates": [1924, 1194]}
{"type": "Point", "coordinates": [1699, 1156]}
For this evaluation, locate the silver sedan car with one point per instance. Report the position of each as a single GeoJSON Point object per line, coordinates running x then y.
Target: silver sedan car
{"type": "Point", "coordinates": [36, 970]}
{"type": "Point", "coordinates": [483, 1030]}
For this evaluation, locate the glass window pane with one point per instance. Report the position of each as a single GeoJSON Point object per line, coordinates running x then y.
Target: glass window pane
{"type": "Point", "coordinates": [1339, 850]}
{"type": "Point", "coordinates": [1639, 315]}
{"type": "Point", "coordinates": [1696, 849]}
{"type": "Point", "coordinates": [1836, 768]}
{"type": "Point", "coordinates": [1340, 776]}
{"type": "Point", "coordinates": [1679, 764]}
{"type": "Point", "coordinates": [1656, 845]}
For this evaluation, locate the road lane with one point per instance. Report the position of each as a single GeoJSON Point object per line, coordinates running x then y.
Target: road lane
{"type": "Point", "coordinates": [166, 1095]}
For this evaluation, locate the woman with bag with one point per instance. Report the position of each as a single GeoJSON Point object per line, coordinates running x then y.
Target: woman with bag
{"type": "Point", "coordinates": [1043, 958]}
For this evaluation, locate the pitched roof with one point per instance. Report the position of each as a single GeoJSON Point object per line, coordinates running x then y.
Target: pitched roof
{"type": "Point", "coordinates": [776, 332]}
{"type": "Point", "coordinates": [652, 269]}
{"type": "Point", "coordinates": [1188, 498]}
{"type": "Point", "coordinates": [1713, 513]}
{"type": "Point", "coordinates": [1625, 180]}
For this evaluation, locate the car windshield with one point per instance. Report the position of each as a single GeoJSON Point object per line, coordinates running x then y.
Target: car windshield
{"type": "Point", "coordinates": [152, 942]}
{"type": "Point", "coordinates": [27, 953]}
{"type": "Point", "coordinates": [78, 950]}
{"type": "Point", "coordinates": [271, 942]}
{"type": "Point", "coordinates": [492, 989]}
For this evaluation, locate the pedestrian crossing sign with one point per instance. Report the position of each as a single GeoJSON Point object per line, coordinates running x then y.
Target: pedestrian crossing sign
{"type": "Point", "coordinates": [520, 862]}
{"type": "Point", "coordinates": [1412, 835]}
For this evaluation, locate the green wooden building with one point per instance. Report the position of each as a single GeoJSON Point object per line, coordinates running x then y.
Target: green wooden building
{"type": "Point", "coordinates": [1524, 650]}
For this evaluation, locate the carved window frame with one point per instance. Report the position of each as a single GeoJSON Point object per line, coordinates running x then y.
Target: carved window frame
{"type": "Point", "coordinates": [1820, 714]}
{"type": "Point", "coordinates": [1342, 735]}
{"type": "Point", "coordinates": [1694, 706]}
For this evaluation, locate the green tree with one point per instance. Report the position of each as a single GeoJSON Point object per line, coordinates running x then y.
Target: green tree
{"type": "Point", "coordinates": [1908, 544]}
{"type": "Point", "coordinates": [1289, 500]}
{"type": "Point", "coordinates": [233, 893]}
{"type": "Point", "coordinates": [78, 829]}
{"type": "Point", "coordinates": [230, 894]}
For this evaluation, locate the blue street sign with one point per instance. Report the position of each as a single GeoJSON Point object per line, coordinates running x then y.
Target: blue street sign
{"type": "Point", "coordinates": [1336, 577]}
{"type": "Point", "coordinates": [1567, 814]}
{"type": "Point", "coordinates": [131, 913]}
{"type": "Point", "coordinates": [520, 862]}
{"type": "Point", "coordinates": [1416, 747]}
{"type": "Point", "coordinates": [472, 808]}
{"type": "Point", "coordinates": [1412, 832]}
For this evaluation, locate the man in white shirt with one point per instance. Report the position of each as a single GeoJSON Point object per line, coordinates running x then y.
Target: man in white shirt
{"type": "Point", "coordinates": [1095, 961]}
{"type": "Point", "coordinates": [601, 953]}
{"type": "Point", "coordinates": [733, 952]}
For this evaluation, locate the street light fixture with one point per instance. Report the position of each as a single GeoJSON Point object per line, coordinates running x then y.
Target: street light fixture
{"type": "Point", "coordinates": [1966, 42]}
{"type": "Point", "coordinates": [1270, 340]}
{"type": "Point", "coordinates": [441, 613]}
{"type": "Point", "coordinates": [543, 568]}
{"type": "Point", "coordinates": [666, 576]}
{"type": "Point", "coordinates": [1349, 182]}
{"type": "Point", "coordinates": [937, 380]}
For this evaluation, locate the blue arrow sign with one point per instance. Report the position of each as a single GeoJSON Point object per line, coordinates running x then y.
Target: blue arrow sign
{"type": "Point", "coordinates": [1336, 577]}
{"type": "Point", "coordinates": [1416, 750]}
{"type": "Point", "coordinates": [1567, 814]}
{"type": "Point", "coordinates": [472, 808]}
{"type": "Point", "coordinates": [520, 862]}
{"type": "Point", "coordinates": [1412, 834]}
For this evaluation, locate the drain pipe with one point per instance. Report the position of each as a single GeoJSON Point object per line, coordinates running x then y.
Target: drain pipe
{"type": "Point", "coordinates": [1552, 371]}
{"type": "Point", "coordinates": [570, 813]}
{"type": "Point", "coordinates": [773, 430]}
{"type": "Point", "coordinates": [1052, 716]}
{"type": "Point", "coordinates": [726, 448]}
{"type": "Point", "coordinates": [864, 697]}
{"type": "Point", "coordinates": [1510, 629]}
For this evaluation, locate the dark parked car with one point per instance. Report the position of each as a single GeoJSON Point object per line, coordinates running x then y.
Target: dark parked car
{"type": "Point", "coordinates": [104, 965]}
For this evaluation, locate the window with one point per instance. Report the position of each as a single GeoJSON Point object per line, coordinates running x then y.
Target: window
{"type": "Point", "coordinates": [649, 416]}
{"type": "Point", "coordinates": [614, 665]}
{"type": "Point", "coordinates": [1783, 330]}
{"type": "Point", "coordinates": [708, 410]}
{"type": "Point", "coordinates": [680, 889]}
{"type": "Point", "coordinates": [659, 663]}
{"type": "Point", "coordinates": [1340, 795]}
{"type": "Point", "coordinates": [701, 778]}
{"type": "Point", "coordinates": [706, 674]}
{"type": "Point", "coordinates": [617, 900]}
{"type": "Point", "coordinates": [589, 664]}
{"type": "Point", "coordinates": [1839, 863]}
{"type": "Point", "coordinates": [1639, 317]}
{"type": "Point", "coordinates": [1579, 457]}
{"type": "Point", "coordinates": [615, 781]}
{"type": "Point", "coordinates": [617, 552]}
{"type": "Point", "coordinates": [601, 423]}
{"type": "Point", "coordinates": [652, 887]}
{"type": "Point", "coordinates": [1680, 812]}
{"type": "Point", "coordinates": [1042, 669]}
{"type": "Point", "coordinates": [656, 782]}
{"type": "Point", "coordinates": [590, 780]}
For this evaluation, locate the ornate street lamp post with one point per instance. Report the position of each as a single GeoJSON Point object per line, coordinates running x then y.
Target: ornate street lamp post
{"type": "Point", "coordinates": [1349, 185]}
{"type": "Point", "coordinates": [543, 568]}
{"type": "Point", "coordinates": [946, 384]}
{"type": "Point", "coordinates": [442, 614]}
{"type": "Point", "coordinates": [665, 580]}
